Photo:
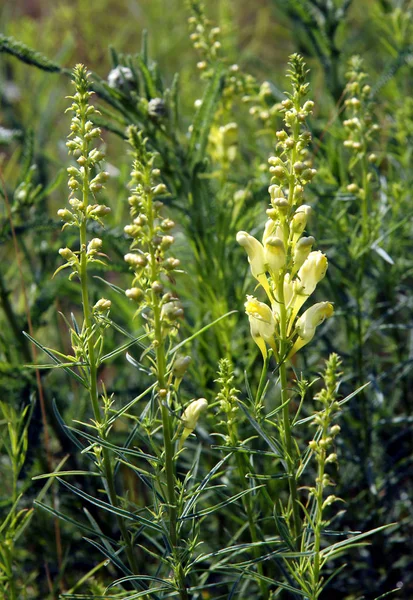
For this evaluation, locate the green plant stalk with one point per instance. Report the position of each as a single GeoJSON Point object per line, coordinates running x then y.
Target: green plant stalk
{"type": "Point", "coordinates": [242, 463]}
{"type": "Point", "coordinates": [288, 441]}
{"type": "Point", "coordinates": [318, 521]}
{"type": "Point", "coordinates": [8, 552]}
{"type": "Point", "coordinates": [93, 390]}
{"type": "Point", "coordinates": [166, 423]}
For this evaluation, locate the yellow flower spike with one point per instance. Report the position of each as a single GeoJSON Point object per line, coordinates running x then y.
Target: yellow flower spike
{"type": "Point", "coordinates": [262, 324]}
{"type": "Point", "coordinates": [191, 416]}
{"type": "Point", "coordinates": [274, 254]}
{"type": "Point", "coordinates": [308, 322]}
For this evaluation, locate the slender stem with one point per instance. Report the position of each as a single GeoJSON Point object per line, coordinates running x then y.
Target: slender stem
{"type": "Point", "coordinates": [288, 441]}
{"type": "Point", "coordinates": [243, 464]}
{"type": "Point", "coordinates": [166, 420]}
{"type": "Point", "coordinates": [318, 520]}
{"type": "Point", "coordinates": [92, 359]}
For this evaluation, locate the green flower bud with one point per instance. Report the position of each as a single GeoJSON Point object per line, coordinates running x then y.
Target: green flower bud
{"type": "Point", "coordinates": [102, 305]}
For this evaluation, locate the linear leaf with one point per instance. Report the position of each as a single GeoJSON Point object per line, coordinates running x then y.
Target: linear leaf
{"type": "Point", "coordinates": [195, 335]}
{"type": "Point", "coordinates": [27, 55]}
{"type": "Point", "coordinates": [204, 117]}
{"type": "Point", "coordinates": [113, 509]}
{"type": "Point", "coordinates": [56, 360]}
{"type": "Point", "coordinates": [62, 517]}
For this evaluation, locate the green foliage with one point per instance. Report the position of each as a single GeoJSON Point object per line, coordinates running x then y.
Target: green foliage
{"type": "Point", "coordinates": [163, 477]}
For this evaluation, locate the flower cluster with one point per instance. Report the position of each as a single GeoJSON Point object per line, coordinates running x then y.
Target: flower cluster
{"type": "Point", "coordinates": [227, 397]}
{"type": "Point", "coordinates": [85, 181]}
{"type": "Point", "coordinates": [151, 239]}
{"type": "Point", "coordinates": [204, 37]}
{"type": "Point", "coordinates": [359, 125]}
{"type": "Point", "coordinates": [322, 444]}
{"type": "Point", "coordinates": [264, 106]}
{"type": "Point", "coordinates": [284, 263]}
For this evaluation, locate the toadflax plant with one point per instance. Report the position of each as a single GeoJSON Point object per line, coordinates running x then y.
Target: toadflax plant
{"type": "Point", "coordinates": [288, 270]}
{"type": "Point", "coordinates": [284, 264]}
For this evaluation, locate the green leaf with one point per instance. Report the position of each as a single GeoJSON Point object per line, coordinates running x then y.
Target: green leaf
{"type": "Point", "coordinates": [120, 512]}
{"type": "Point", "coordinates": [63, 517]}
{"type": "Point", "coordinates": [195, 335]}
{"type": "Point", "coordinates": [150, 86]}
{"type": "Point", "coordinates": [205, 116]}
{"type": "Point", "coordinates": [124, 409]}
{"type": "Point", "coordinates": [141, 578]}
{"type": "Point", "coordinates": [335, 549]}
{"type": "Point", "coordinates": [203, 485]}
{"type": "Point", "coordinates": [117, 449]}
{"type": "Point", "coordinates": [123, 348]}
{"type": "Point", "coordinates": [66, 428]}
{"type": "Point", "coordinates": [212, 509]}
{"type": "Point", "coordinates": [56, 360]}
{"type": "Point", "coordinates": [271, 443]}
{"type": "Point", "coordinates": [27, 55]}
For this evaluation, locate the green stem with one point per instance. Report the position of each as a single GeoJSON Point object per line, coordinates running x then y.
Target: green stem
{"type": "Point", "coordinates": [318, 522]}
{"type": "Point", "coordinates": [243, 464]}
{"type": "Point", "coordinates": [166, 420]}
{"type": "Point", "coordinates": [292, 482]}
{"type": "Point", "coordinates": [288, 441]}
{"type": "Point", "coordinates": [92, 360]}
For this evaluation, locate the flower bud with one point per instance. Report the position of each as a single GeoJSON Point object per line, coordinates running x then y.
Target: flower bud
{"type": "Point", "coordinates": [191, 416]}
{"type": "Point", "coordinates": [102, 305]}
{"type": "Point", "coordinates": [67, 253]}
{"type": "Point", "coordinates": [262, 323]}
{"type": "Point", "coordinates": [299, 221]}
{"type": "Point", "coordinates": [134, 294]}
{"type": "Point", "coordinates": [312, 272]}
{"type": "Point", "coordinates": [94, 245]}
{"type": "Point", "coordinates": [181, 365]}
{"type": "Point", "coordinates": [135, 260]}
{"type": "Point", "coordinates": [65, 215]}
{"type": "Point", "coordinates": [99, 210]}
{"type": "Point", "coordinates": [302, 250]}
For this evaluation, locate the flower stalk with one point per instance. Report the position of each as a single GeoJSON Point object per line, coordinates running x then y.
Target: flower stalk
{"type": "Point", "coordinates": [284, 264]}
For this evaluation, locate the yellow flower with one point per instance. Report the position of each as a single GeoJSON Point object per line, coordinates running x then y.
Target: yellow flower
{"type": "Point", "coordinates": [309, 275]}
{"type": "Point", "coordinates": [274, 254]}
{"type": "Point", "coordinates": [191, 416]}
{"type": "Point", "coordinates": [309, 321]}
{"type": "Point", "coordinates": [299, 221]}
{"type": "Point", "coordinates": [255, 251]}
{"type": "Point", "coordinates": [262, 324]}
{"type": "Point", "coordinates": [312, 272]}
{"type": "Point", "coordinates": [256, 258]}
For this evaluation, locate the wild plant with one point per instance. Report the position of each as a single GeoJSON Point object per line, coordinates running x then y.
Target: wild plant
{"type": "Point", "coordinates": [288, 271]}
{"type": "Point", "coordinates": [217, 184]}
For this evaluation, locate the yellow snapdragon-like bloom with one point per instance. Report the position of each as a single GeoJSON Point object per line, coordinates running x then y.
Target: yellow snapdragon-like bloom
{"type": "Point", "coordinates": [262, 324]}
{"type": "Point", "coordinates": [191, 416]}
{"type": "Point", "coordinates": [255, 251]}
{"type": "Point", "coordinates": [274, 254]}
{"type": "Point", "coordinates": [309, 321]}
